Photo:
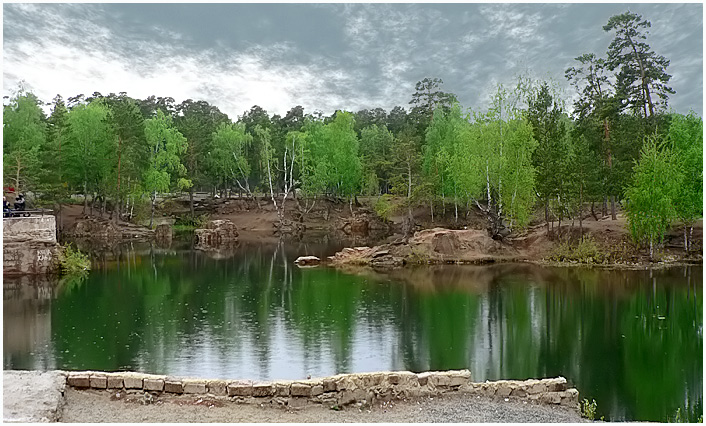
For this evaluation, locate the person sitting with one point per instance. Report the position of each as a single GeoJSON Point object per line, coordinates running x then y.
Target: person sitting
{"type": "Point", "coordinates": [6, 211]}
{"type": "Point", "coordinates": [20, 202]}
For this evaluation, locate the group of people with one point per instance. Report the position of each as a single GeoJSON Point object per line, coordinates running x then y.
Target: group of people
{"type": "Point", "coordinates": [19, 205]}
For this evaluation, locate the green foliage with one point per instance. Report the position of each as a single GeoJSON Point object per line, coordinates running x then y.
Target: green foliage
{"type": "Point", "coordinates": [385, 207]}
{"type": "Point", "coordinates": [585, 251]}
{"type": "Point", "coordinates": [330, 162]}
{"type": "Point", "coordinates": [588, 409]}
{"type": "Point", "coordinates": [24, 134]}
{"type": "Point", "coordinates": [652, 196]}
{"type": "Point", "coordinates": [376, 147]}
{"type": "Point", "coordinates": [641, 72]}
{"type": "Point", "coordinates": [89, 148]}
{"type": "Point", "coordinates": [165, 146]}
{"type": "Point", "coordinates": [686, 138]}
{"type": "Point", "coordinates": [228, 156]}
{"type": "Point", "coordinates": [73, 261]}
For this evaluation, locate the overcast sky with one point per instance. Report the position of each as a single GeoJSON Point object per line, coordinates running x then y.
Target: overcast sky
{"type": "Point", "coordinates": [323, 56]}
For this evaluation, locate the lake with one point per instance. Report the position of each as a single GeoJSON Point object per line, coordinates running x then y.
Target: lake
{"type": "Point", "coordinates": [631, 340]}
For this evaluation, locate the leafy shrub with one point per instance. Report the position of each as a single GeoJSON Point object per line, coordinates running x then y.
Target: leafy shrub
{"type": "Point", "coordinates": [385, 207]}
{"type": "Point", "coordinates": [586, 251]}
{"type": "Point", "coordinates": [73, 262]}
{"type": "Point", "coordinates": [588, 409]}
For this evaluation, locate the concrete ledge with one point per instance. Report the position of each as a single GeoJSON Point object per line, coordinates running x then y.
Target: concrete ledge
{"type": "Point", "coordinates": [342, 389]}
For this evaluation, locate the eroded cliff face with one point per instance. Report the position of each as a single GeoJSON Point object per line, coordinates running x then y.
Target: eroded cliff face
{"type": "Point", "coordinates": [29, 245]}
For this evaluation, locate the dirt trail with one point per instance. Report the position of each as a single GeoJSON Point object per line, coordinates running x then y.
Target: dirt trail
{"type": "Point", "coordinates": [99, 406]}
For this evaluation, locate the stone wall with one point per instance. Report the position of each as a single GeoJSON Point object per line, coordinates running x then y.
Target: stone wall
{"type": "Point", "coordinates": [29, 245]}
{"type": "Point", "coordinates": [340, 390]}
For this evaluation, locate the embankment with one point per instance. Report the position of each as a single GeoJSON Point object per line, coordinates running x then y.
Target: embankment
{"type": "Point", "coordinates": [29, 245]}
{"type": "Point", "coordinates": [334, 391]}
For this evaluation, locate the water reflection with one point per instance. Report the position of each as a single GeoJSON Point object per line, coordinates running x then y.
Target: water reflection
{"type": "Point", "coordinates": [630, 339]}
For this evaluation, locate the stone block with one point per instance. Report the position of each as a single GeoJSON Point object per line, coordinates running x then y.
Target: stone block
{"type": "Point", "coordinates": [537, 388]}
{"type": "Point", "coordinates": [519, 392]}
{"type": "Point", "coordinates": [282, 389]}
{"type": "Point", "coordinates": [79, 380]}
{"type": "Point", "coordinates": [550, 398]}
{"type": "Point", "coordinates": [115, 382]}
{"type": "Point", "coordinates": [423, 378]}
{"type": "Point", "coordinates": [570, 398]}
{"type": "Point", "coordinates": [345, 397]}
{"type": "Point", "coordinates": [132, 382]}
{"type": "Point", "coordinates": [329, 385]}
{"type": "Point", "coordinates": [240, 388]}
{"type": "Point", "coordinates": [153, 385]}
{"type": "Point", "coordinates": [503, 390]}
{"type": "Point", "coordinates": [394, 378]}
{"type": "Point", "coordinates": [556, 385]}
{"type": "Point", "coordinates": [263, 389]}
{"type": "Point", "coordinates": [99, 381]}
{"type": "Point", "coordinates": [317, 390]}
{"type": "Point", "coordinates": [173, 386]}
{"type": "Point", "coordinates": [459, 380]}
{"type": "Point", "coordinates": [440, 380]}
{"type": "Point", "coordinates": [300, 389]}
{"type": "Point", "coordinates": [217, 387]}
{"type": "Point", "coordinates": [197, 387]}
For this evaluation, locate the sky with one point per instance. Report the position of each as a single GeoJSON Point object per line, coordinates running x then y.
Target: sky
{"type": "Point", "coordinates": [325, 56]}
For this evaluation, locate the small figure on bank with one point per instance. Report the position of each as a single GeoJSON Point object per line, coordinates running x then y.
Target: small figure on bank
{"type": "Point", "coordinates": [5, 207]}
{"type": "Point", "coordinates": [20, 203]}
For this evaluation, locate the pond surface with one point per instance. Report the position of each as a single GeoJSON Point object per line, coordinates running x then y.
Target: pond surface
{"type": "Point", "coordinates": [631, 340]}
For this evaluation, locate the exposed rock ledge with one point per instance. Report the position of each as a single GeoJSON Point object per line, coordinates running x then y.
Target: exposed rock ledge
{"type": "Point", "coordinates": [342, 389]}
{"type": "Point", "coordinates": [430, 246]}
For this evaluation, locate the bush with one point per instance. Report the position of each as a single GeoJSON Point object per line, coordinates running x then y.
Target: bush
{"type": "Point", "coordinates": [385, 207]}
{"type": "Point", "coordinates": [586, 251]}
{"type": "Point", "coordinates": [588, 409]}
{"type": "Point", "coordinates": [73, 262]}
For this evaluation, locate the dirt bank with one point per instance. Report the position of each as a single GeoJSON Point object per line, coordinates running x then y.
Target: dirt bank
{"type": "Point", "coordinates": [100, 406]}
{"type": "Point", "coordinates": [446, 240]}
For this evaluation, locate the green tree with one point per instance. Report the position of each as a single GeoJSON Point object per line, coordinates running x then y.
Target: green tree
{"type": "Point", "coordinates": [686, 137]}
{"type": "Point", "coordinates": [376, 146]}
{"type": "Point", "coordinates": [228, 154]}
{"type": "Point", "coordinates": [166, 144]}
{"type": "Point", "coordinates": [130, 155]}
{"type": "Point", "coordinates": [427, 97]}
{"type": "Point", "coordinates": [197, 121]}
{"type": "Point", "coordinates": [545, 114]}
{"type": "Point", "coordinates": [653, 194]}
{"type": "Point", "coordinates": [642, 73]}
{"type": "Point", "coordinates": [24, 133]}
{"type": "Point", "coordinates": [89, 149]}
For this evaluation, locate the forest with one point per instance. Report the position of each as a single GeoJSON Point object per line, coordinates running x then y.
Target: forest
{"type": "Point", "coordinates": [531, 150]}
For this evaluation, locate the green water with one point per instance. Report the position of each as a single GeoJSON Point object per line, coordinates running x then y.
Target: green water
{"type": "Point", "coordinates": [631, 340]}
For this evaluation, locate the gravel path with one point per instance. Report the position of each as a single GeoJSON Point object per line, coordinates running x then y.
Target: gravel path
{"type": "Point", "coordinates": [100, 406]}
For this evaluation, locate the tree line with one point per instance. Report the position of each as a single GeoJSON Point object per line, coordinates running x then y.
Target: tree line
{"type": "Point", "coordinates": [527, 150]}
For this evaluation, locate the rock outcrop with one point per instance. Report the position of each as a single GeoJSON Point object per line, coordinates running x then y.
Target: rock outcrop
{"type": "Point", "coordinates": [29, 245]}
{"type": "Point", "coordinates": [430, 246]}
{"type": "Point", "coordinates": [217, 234]}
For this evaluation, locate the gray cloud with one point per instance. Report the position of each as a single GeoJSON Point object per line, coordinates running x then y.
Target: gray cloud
{"type": "Point", "coordinates": [324, 56]}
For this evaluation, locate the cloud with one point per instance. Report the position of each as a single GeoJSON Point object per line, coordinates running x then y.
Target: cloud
{"type": "Point", "coordinates": [322, 56]}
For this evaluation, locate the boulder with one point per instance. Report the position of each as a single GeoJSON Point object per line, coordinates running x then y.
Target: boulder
{"type": "Point", "coordinates": [216, 233]}
{"type": "Point", "coordinates": [307, 261]}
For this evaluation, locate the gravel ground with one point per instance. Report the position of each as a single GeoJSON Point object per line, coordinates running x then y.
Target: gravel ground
{"type": "Point", "coordinates": [100, 406]}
